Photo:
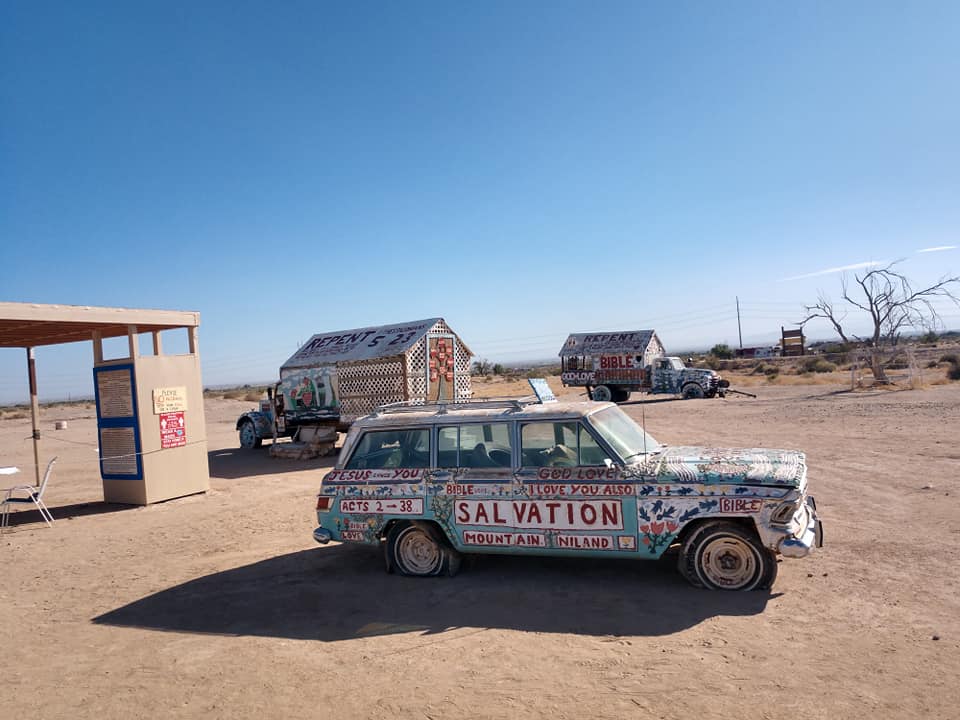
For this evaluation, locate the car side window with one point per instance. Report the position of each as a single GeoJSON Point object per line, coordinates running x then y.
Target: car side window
{"type": "Point", "coordinates": [392, 449]}
{"type": "Point", "coordinates": [548, 444]}
{"type": "Point", "coordinates": [590, 451]}
{"type": "Point", "coordinates": [475, 445]}
{"type": "Point", "coordinates": [559, 444]}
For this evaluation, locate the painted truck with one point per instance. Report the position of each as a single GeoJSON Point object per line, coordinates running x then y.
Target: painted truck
{"type": "Point", "coordinates": [612, 365]}
{"type": "Point", "coordinates": [336, 377]}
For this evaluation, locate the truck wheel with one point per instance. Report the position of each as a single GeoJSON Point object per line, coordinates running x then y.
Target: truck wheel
{"type": "Point", "coordinates": [413, 550]}
{"type": "Point", "coordinates": [601, 393]}
{"type": "Point", "coordinates": [248, 436]}
{"type": "Point", "coordinates": [620, 395]}
{"type": "Point", "coordinates": [726, 556]}
{"type": "Point", "coordinates": [692, 391]}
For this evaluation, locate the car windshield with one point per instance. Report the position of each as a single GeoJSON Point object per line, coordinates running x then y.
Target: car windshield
{"type": "Point", "coordinates": [622, 434]}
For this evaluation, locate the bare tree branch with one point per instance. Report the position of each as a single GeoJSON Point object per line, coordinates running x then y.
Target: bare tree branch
{"type": "Point", "coordinates": [888, 297]}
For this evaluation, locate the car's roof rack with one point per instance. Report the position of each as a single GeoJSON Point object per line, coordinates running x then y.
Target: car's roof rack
{"type": "Point", "coordinates": [444, 406]}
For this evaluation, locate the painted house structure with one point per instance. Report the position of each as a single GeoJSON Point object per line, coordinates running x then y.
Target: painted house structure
{"type": "Point", "coordinates": [355, 371]}
{"type": "Point", "coordinates": [609, 358]}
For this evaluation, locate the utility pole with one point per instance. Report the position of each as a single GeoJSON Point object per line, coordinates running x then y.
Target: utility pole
{"type": "Point", "coordinates": [739, 331]}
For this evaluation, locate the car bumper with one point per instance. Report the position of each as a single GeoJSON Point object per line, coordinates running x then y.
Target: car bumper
{"type": "Point", "coordinates": [322, 535]}
{"type": "Point", "coordinates": [802, 544]}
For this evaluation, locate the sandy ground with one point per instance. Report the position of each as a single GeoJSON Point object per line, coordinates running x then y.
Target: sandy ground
{"type": "Point", "coordinates": [221, 605]}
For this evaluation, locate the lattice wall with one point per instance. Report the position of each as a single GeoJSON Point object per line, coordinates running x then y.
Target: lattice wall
{"type": "Point", "coordinates": [366, 385]}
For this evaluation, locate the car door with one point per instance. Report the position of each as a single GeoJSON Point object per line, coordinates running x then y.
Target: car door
{"type": "Point", "coordinates": [474, 462]}
{"type": "Point", "coordinates": [566, 492]}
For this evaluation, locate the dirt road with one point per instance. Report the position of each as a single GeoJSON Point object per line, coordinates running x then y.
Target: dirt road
{"type": "Point", "coordinates": [222, 606]}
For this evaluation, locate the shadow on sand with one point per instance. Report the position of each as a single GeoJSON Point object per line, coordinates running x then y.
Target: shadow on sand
{"type": "Point", "coordinates": [67, 512]}
{"type": "Point", "coordinates": [341, 592]}
{"type": "Point", "coordinates": [235, 463]}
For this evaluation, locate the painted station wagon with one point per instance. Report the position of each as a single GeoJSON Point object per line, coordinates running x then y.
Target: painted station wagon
{"type": "Point", "coordinates": [431, 482]}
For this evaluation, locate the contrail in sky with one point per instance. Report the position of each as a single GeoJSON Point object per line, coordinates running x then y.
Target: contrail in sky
{"type": "Point", "coordinates": [939, 248]}
{"type": "Point", "coordinates": [828, 271]}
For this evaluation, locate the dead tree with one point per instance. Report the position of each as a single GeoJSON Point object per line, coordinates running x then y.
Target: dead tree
{"type": "Point", "coordinates": [891, 303]}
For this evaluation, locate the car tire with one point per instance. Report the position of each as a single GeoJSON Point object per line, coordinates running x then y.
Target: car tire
{"type": "Point", "coordinates": [724, 555]}
{"type": "Point", "coordinates": [620, 395]}
{"type": "Point", "coordinates": [248, 436]}
{"type": "Point", "coordinates": [692, 391]}
{"type": "Point", "coordinates": [414, 549]}
{"type": "Point", "coordinates": [601, 393]}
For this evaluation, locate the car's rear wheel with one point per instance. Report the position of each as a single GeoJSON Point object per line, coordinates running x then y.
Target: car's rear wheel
{"type": "Point", "coordinates": [620, 395]}
{"type": "Point", "coordinates": [726, 556]}
{"type": "Point", "coordinates": [248, 436]}
{"type": "Point", "coordinates": [601, 393]}
{"type": "Point", "coordinates": [414, 549]}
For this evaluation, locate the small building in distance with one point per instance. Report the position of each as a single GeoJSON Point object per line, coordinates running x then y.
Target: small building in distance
{"type": "Point", "coordinates": [792, 342]}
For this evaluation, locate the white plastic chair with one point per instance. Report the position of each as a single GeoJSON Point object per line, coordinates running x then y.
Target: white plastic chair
{"type": "Point", "coordinates": [34, 494]}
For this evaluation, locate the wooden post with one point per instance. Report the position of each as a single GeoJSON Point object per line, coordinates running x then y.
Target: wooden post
{"type": "Point", "coordinates": [97, 338]}
{"type": "Point", "coordinates": [34, 411]}
{"type": "Point", "coordinates": [132, 342]}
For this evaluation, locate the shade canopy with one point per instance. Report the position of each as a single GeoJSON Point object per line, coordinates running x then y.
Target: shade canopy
{"type": "Point", "coordinates": [26, 325]}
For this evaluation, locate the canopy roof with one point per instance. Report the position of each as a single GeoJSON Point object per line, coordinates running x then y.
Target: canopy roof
{"type": "Point", "coordinates": [365, 343]}
{"type": "Point", "coordinates": [31, 325]}
{"type": "Point", "coordinates": [626, 341]}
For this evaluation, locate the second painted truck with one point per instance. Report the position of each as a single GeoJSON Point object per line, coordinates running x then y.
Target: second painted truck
{"type": "Point", "coordinates": [611, 365]}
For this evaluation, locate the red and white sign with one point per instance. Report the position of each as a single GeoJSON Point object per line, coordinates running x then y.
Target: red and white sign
{"type": "Point", "coordinates": [740, 505]}
{"type": "Point", "coordinates": [616, 362]}
{"type": "Point", "coordinates": [497, 539]}
{"type": "Point", "coordinates": [584, 542]}
{"type": "Point", "coordinates": [542, 514]}
{"type": "Point", "coordinates": [173, 430]}
{"type": "Point", "coordinates": [385, 506]}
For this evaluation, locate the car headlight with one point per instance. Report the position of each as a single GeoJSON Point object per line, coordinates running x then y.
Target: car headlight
{"type": "Point", "coordinates": [784, 513]}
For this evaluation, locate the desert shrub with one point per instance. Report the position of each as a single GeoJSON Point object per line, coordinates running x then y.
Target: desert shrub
{"type": "Point", "coordinates": [712, 362]}
{"type": "Point", "coordinates": [950, 358]}
{"type": "Point", "coordinates": [897, 362]}
{"type": "Point", "coordinates": [722, 351]}
{"type": "Point", "coordinates": [953, 372]}
{"type": "Point", "coordinates": [818, 365]}
{"type": "Point", "coordinates": [929, 337]}
{"type": "Point", "coordinates": [771, 371]}
{"type": "Point", "coordinates": [252, 396]}
{"type": "Point", "coordinates": [759, 369]}
{"type": "Point", "coordinates": [933, 364]}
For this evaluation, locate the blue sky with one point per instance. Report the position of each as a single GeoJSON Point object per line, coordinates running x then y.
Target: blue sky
{"type": "Point", "coordinates": [524, 170]}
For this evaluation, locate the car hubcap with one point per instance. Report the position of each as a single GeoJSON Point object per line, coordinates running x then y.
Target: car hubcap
{"type": "Point", "coordinates": [419, 554]}
{"type": "Point", "coordinates": [728, 563]}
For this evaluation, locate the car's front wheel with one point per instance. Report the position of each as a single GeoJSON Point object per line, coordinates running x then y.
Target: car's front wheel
{"type": "Point", "coordinates": [723, 555]}
{"type": "Point", "coordinates": [248, 436]}
{"type": "Point", "coordinates": [692, 392]}
{"type": "Point", "coordinates": [413, 549]}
